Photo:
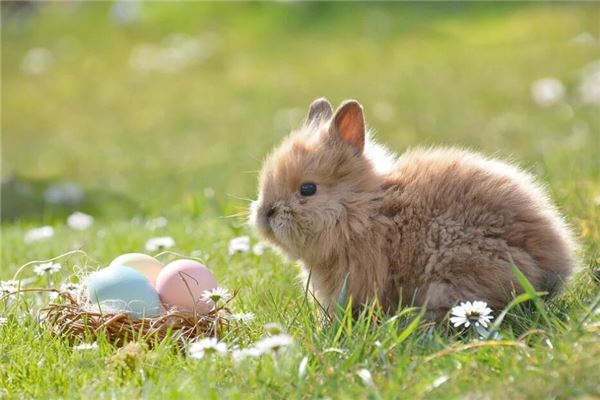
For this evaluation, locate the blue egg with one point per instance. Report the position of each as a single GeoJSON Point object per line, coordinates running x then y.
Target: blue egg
{"type": "Point", "coordinates": [123, 289]}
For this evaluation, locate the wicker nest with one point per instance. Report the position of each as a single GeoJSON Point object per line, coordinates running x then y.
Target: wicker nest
{"type": "Point", "coordinates": [70, 318]}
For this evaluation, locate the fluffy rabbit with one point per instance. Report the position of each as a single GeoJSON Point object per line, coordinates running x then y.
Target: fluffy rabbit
{"type": "Point", "coordinates": [432, 227]}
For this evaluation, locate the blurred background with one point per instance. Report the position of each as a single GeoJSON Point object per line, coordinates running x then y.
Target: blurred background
{"type": "Point", "coordinates": [120, 109]}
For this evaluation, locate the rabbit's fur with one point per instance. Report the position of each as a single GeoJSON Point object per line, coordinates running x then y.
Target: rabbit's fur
{"type": "Point", "coordinates": [435, 227]}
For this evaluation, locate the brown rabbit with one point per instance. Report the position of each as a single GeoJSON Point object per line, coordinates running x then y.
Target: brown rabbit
{"type": "Point", "coordinates": [434, 226]}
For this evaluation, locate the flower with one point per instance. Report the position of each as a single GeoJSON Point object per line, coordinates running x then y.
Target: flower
{"type": "Point", "coordinates": [79, 221]}
{"type": "Point", "coordinates": [303, 367]}
{"type": "Point", "coordinates": [40, 233]}
{"type": "Point", "coordinates": [259, 249]}
{"type": "Point", "coordinates": [37, 61]}
{"type": "Point", "coordinates": [157, 223]}
{"type": "Point", "coordinates": [273, 328]}
{"type": "Point", "coordinates": [239, 244]}
{"type": "Point", "coordinates": [548, 91]}
{"type": "Point", "coordinates": [70, 287]}
{"type": "Point", "coordinates": [243, 317]}
{"type": "Point", "coordinates": [8, 287]}
{"type": "Point", "coordinates": [366, 377]}
{"type": "Point", "coordinates": [275, 343]}
{"type": "Point", "coordinates": [589, 87]}
{"type": "Point", "coordinates": [48, 268]}
{"type": "Point", "coordinates": [207, 346]}
{"type": "Point", "coordinates": [86, 346]}
{"type": "Point", "coordinates": [160, 243]}
{"type": "Point", "coordinates": [216, 295]}
{"type": "Point", "coordinates": [240, 354]}
{"type": "Point", "coordinates": [3, 320]}
{"type": "Point", "coordinates": [471, 313]}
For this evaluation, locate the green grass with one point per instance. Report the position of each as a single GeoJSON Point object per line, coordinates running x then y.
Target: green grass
{"type": "Point", "coordinates": [143, 145]}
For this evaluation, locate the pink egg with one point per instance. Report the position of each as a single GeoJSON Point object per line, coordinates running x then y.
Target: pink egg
{"type": "Point", "coordinates": [180, 284]}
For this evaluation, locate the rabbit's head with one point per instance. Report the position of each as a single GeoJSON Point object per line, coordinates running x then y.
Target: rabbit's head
{"type": "Point", "coordinates": [316, 187]}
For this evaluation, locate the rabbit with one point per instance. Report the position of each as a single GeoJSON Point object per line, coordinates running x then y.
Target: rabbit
{"type": "Point", "coordinates": [430, 228]}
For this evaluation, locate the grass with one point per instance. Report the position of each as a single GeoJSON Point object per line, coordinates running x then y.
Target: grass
{"type": "Point", "coordinates": [145, 144]}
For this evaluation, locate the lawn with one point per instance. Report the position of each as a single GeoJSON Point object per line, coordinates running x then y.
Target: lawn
{"type": "Point", "coordinates": [167, 109]}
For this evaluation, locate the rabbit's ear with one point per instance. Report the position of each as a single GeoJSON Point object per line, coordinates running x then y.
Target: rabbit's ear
{"type": "Point", "coordinates": [349, 124]}
{"type": "Point", "coordinates": [319, 111]}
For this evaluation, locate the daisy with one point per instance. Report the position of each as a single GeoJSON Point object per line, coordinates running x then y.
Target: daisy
{"type": "Point", "coordinates": [275, 343]}
{"type": "Point", "coordinates": [156, 223]}
{"type": "Point", "coordinates": [241, 354]}
{"type": "Point", "coordinates": [207, 346]}
{"type": "Point", "coordinates": [273, 328]}
{"type": "Point", "coordinates": [239, 244]}
{"type": "Point", "coordinates": [48, 268]}
{"type": "Point", "coordinates": [471, 313]}
{"type": "Point", "coordinates": [216, 295]}
{"type": "Point", "coordinates": [243, 317]}
{"type": "Point", "coordinates": [3, 320]}
{"type": "Point", "coordinates": [86, 346]}
{"type": "Point", "coordinates": [259, 249]}
{"type": "Point", "coordinates": [8, 287]}
{"type": "Point", "coordinates": [70, 287]}
{"type": "Point", "coordinates": [160, 243]}
{"type": "Point", "coordinates": [41, 233]}
{"type": "Point", "coordinates": [366, 377]}
{"type": "Point", "coordinates": [80, 221]}
{"type": "Point", "coordinates": [548, 91]}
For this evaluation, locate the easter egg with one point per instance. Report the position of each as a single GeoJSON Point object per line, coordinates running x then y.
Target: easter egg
{"type": "Point", "coordinates": [147, 265]}
{"type": "Point", "coordinates": [122, 289]}
{"type": "Point", "coordinates": [180, 284]}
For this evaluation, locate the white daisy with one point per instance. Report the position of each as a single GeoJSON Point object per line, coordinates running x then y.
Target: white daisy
{"type": "Point", "coordinates": [243, 317]}
{"type": "Point", "coordinates": [3, 320]}
{"type": "Point", "coordinates": [471, 313]}
{"type": "Point", "coordinates": [8, 287]}
{"type": "Point", "coordinates": [241, 354]}
{"type": "Point", "coordinates": [80, 221]}
{"type": "Point", "coordinates": [86, 346]}
{"type": "Point", "coordinates": [275, 343]}
{"type": "Point", "coordinates": [70, 287]}
{"type": "Point", "coordinates": [548, 91]}
{"type": "Point", "coordinates": [239, 244]}
{"type": "Point", "coordinates": [216, 295]}
{"type": "Point", "coordinates": [48, 268]}
{"type": "Point", "coordinates": [366, 377]}
{"type": "Point", "coordinates": [41, 233]}
{"type": "Point", "coordinates": [207, 346]}
{"type": "Point", "coordinates": [160, 243]}
{"type": "Point", "coordinates": [273, 328]}
{"type": "Point", "coordinates": [259, 249]}
{"type": "Point", "coordinates": [156, 223]}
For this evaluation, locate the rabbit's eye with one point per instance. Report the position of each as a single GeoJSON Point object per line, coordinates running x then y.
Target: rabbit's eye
{"type": "Point", "coordinates": [308, 189]}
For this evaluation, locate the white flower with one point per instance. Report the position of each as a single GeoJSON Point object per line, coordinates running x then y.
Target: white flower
{"type": "Point", "coordinates": [240, 354]}
{"type": "Point", "coordinates": [3, 320]}
{"type": "Point", "coordinates": [548, 91]}
{"type": "Point", "coordinates": [86, 346]}
{"type": "Point", "coordinates": [239, 245]}
{"type": "Point", "coordinates": [275, 343]}
{"type": "Point", "coordinates": [48, 268]}
{"type": "Point", "coordinates": [259, 249]}
{"type": "Point", "coordinates": [365, 377]}
{"type": "Point", "coordinates": [8, 287]}
{"type": "Point", "coordinates": [160, 243]}
{"type": "Point", "coordinates": [273, 328]}
{"type": "Point", "coordinates": [80, 221]}
{"type": "Point", "coordinates": [70, 287]}
{"type": "Point", "coordinates": [303, 367]}
{"type": "Point", "coordinates": [589, 87]}
{"type": "Point", "coordinates": [40, 233]}
{"type": "Point", "coordinates": [157, 223]}
{"type": "Point", "coordinates": [37, 61]}
{"type": "Point", "coordinates": [243, 317]}
{"type": "Point", "coordinates": [207, 346]}
{"type": "Point", "coordinates": [216, 295]}
{"type": "Point", "coordinates": [467, 313]}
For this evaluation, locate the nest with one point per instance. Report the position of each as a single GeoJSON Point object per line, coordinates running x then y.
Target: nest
{"type": "Point", "coordinates": [69, 317]}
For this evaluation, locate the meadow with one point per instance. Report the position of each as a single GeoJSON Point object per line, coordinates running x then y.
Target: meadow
{"type": "Point", "coordinates": [154, 119]}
